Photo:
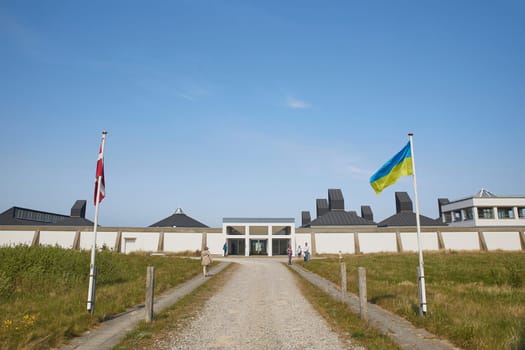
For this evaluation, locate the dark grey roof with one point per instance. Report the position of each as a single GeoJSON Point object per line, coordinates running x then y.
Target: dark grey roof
{"type": "Point", "coordinates": [78, 216]}
{"type": "Point", "coordinates": [178, 219]}
{"type": "Point", "coordinates": [305, 218]}
{"type": "Point", "coordinates": [409, 219]}
{"type": "Point", "coordinates": [24, 216]}
{"type": "Point", "coordinates": [405, 215]}
{"type": "Point", "coordinates": [403, 202]}
{"type": "Point", "coordinates": [78, 210]}
{"type": "Point", "coordinates": [366, 212]}
{"type": "Point", "coordinates": [321, 205]}
{"type": "Point", "coordinates": [336, 200]}
{"type": "Point", "coordinates": [75, 221]}
{"type": "Point", "coordinates": [341, 218]}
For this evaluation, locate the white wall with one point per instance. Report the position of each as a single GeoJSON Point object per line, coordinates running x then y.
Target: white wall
{"type": "Point", "coordinates": [144, 241]}
{"type": "Point", "coordinates": [328, 243]}
{"type": "Point", "coordinates": [103, 239]}
{"type": "Point", "coordinates": [13, 238]}
{"type": "Point", "coordinates": [377, 242]}
{"type": "Point", "coordinates": [502, 240]}
{"type": "Point", "coordinates": [215, 241]}
{"type": "Point", "coordinates": [63, 239]}
{"type": "Point", "coordinates": [461, 240]}
{"type": "Point", "coordinates": [180, 242]}
{"type": "Point", "coordinates": [429, 241]}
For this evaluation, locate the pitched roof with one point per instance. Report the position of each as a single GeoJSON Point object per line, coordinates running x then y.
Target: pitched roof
{"type": "Point", "coordinates": [75, 221]}
{"type": "Point", "coordinates": [178, 219]}
{"type": "Point", "coordinates": [340, 218]}
{"type": "Point", "coordinates": [406, 218]}
{"type": "Point", "coordinates": [483, 193]}
{"type": "Point", "coordinates": [24, 216]}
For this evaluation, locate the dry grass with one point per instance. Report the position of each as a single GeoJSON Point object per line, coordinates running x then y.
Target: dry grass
{"type": "Point", "coordinates": [476, 300]}
{"type": "Point", "coordinates": [158, 334]}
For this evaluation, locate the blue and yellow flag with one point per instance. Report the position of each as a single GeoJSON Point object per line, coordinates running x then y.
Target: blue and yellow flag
{"type": "Point", "coordinates": [399, 165]}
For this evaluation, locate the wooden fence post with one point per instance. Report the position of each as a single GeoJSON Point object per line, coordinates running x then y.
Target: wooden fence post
{"type": "Point", "coordinates": [343, 281]}
{"type": "Point", "coordinates": [363, 307]}
{"type": "Point", "coordinates": [150, 291]}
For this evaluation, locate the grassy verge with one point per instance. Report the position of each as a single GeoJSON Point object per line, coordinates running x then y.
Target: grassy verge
{"type": "Point", "coordinates": [476, 300]}
{"type": "Point", "coordinates": [157, 335]}
{"type": "Point", "coordinates": [43, 291]}
{"type": "Point", "coordinates": [343, 320]}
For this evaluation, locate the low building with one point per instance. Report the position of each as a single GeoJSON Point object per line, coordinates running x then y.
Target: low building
{"type": "Point", "coordinates": [483, 209]}
{"type": "Point", "coordinates": [23, 216]}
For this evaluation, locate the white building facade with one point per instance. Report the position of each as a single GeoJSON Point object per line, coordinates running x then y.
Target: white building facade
{"type": "Point", "coordinates": [258, 236]}
{"type": "Point", "coordinates": [483, 209]}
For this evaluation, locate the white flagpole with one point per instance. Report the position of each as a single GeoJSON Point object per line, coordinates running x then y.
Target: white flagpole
{"type": "Point", "coordinates": [421, 270]}
{"type": "Point", "coordinates": [92, 269]}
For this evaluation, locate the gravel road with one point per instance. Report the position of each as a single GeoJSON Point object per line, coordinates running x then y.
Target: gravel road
{"type": "Point", "coordinates": [260, 308]}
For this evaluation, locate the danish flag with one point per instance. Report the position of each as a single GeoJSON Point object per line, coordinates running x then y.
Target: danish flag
{"type": "Point", "coordinates": [100, 174]}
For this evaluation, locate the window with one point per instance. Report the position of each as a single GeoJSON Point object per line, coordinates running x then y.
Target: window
{"type": "Point", "coordinates": [447, 216]}
{"type": "Point", "coordinates": [485, 213]}
{"type": "Point", "coordinates": [469, 214]}
{"type": "Point", "coordinates": [505, 213]}
{"type": "Point", "coordinates": [457, 215]}
{"type": "Point", "coordinates": [521, 212]}
{"type": "Point", "coordinates": [37, 216]}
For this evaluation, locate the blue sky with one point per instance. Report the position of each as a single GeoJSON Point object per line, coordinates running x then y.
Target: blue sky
{"type": "Point", "coordinates": [255, 109]}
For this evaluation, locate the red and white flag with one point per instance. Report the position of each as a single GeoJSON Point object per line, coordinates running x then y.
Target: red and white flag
{"type": "Point", "coordinates": [100, 173]}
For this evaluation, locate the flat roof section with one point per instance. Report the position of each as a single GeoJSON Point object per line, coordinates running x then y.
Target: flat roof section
{"type": "Point", "coordinates": [259, 220]}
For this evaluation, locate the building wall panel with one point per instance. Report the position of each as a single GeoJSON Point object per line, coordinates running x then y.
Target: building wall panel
{"type": "Point", "coordinates": [378, 242]}
{"type": "Point", "coordinates": [502, 240]}
{"type": "Point", "coordinates": [62, 239]}
{"type": "Point", "coordinates": [215, 242]}
{"type": "Point", "coordinates": [180, 242]}
{"type": "Point", "coordinates": [461, 240]}
{"type": "Point", "coordinates": [13, 238]}
{"type": "Point", "coordinates": [142, 241]}
{"type": "Point", "coordinates": [104, 239]}
{"type": "Point", "coordinates": [332, 243]}
{"type": "Point", "coordinates": [429, 241]}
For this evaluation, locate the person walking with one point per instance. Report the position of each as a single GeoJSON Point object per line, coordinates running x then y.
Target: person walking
{"type": "Point", "coordinates": [289, 251]}
{"type": "Point", "coordinates": [299, 251]}
{"type": "Point", "coordinates": [306, 252]}
{"type": "Point", "coordinates": [205, 260]}
{"type": "Point", "coordinates": [225, 248]}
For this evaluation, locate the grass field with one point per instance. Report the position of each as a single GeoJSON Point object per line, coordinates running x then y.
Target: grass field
{"type": "Point", "coordinates": [476, 300]}
{"type": "Point", "coordinates": [43, 291]}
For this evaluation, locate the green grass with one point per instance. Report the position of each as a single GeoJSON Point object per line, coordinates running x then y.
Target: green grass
{"type": "Point", "coordinates": [43, 291]}
{"type": "Point", "coordinates": [343, 320]}
{"type": "Point", "coordinates": [476, 300]}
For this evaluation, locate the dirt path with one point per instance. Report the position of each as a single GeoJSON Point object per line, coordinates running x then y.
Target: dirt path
{"type": "Point", "coordinates": [260, 308]}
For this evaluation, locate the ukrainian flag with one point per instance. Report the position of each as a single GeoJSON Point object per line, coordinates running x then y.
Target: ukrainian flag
{"type": "Point", "coordinates": [399, 165]}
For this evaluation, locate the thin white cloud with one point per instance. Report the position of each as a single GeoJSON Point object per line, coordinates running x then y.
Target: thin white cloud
{"type": "Point", "coordinates": [358, 172]}
{"type": "Point", "coordinates": [297, 104]}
